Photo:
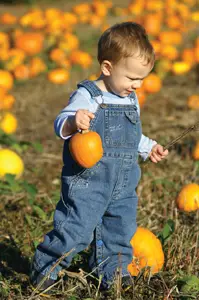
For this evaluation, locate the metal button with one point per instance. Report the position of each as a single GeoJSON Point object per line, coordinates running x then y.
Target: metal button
{"type": "Point", "coordinates": [99, 243]}
{"type": "Point", "coordinates": [103, 105]}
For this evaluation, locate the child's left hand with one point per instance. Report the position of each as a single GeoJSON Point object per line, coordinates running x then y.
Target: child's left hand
{"type": "Point", "coordinates": [158, 153]}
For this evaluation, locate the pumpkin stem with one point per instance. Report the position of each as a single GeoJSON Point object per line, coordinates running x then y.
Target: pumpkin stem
{"type": "Point", "coordinates": [85, 131]}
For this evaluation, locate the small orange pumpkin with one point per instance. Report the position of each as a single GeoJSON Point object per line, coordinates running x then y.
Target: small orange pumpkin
{"type": "Point", "coordinates": [8, 19]}
{"type": "Point", "coordinates": [86, 148]}
{"type": "Point", "coordinates": [188, 55]}
{"type": "Point", "coordinates": [21, 72]}
{"type": "Point", "coordinates": [99, 8]}
{"type": "Point", "coordinates": [30, 42]}
{"type": "Point", "coordinates": [82, 9]}
{"type": "Point", "coordinates": [152, 23]}
{"type": "Point", "coordinates": [180, 67]}
{"type": "Point", "coordinates": [152, 84]}
{"type": "Point", "coordinates": [8, 123]}
{"type": "Point", "coordinates": [36, 66]}
{"type": "Point", "coordinates": [4, 40]}
{"type": "Point", "coordinates": [188, 198]}
{"type": "Point", "coordinates": [195, 153]}
{"type": "Point", "coordinates": [58, 76]}
{"type": "Point", "coordinates": [141, 96]}
{"type": "Point", "coordinates": [2, 92]}
{"type": "Point", "coordinates": [7, 102]}
{"type": "Point", "coordinates": [82, 58]}
{"type": "Point", "coordinates": [193, 102]}
{"type": "Point", "coordinates": [6, 79]}
{"type": "Point", "coordinates": [57, 54]}
{"type": "Point", "coordinates": [147, 252]}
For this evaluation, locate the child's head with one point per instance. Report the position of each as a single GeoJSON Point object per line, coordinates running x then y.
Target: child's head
{"type": "Point", "coordinates": [126, 57]}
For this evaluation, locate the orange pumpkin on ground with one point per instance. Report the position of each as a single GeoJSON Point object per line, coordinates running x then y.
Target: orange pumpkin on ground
{"type": "Point", "coordinates": [82, 9]}
{"type": "Point", "coordinates": [147, 252]}
{"type": "Point", "coordinates": [4, 40]}
{"type": "Point", "coordinates": [8, 19]}
{"type": "Point", "coordinates": [141, 95]}
{"type": "Point", "coordinates": [153, 23]}
{"type": "Point", "coordinates": [8, 123]}
{"type": "Point", "coordinates": [180, 67]}
{"type": "Point", "coordinates": [21, 72]}
{"type": "Point", "coordinates": [58, 76]}
{"type": "Point", "coordinates": [6, 79]}
{"type": "Point", "coordinates": [193, 102]}
{"type": "Point", "coordinates": [36, 66]}
{"type": "Point", "coordinates": [7, 102]}
{"type": "Point", "coordinates": [188, 55]}
{"type": "Point", "coordinates": [188, 198]}
{"type": "Point", "coordinates": [152, 84]}
{"type": "Point", "coordinates": [195, 152]}
{"type": "Point", "coordinates": [86, 148]}
{"type": "Point", "coordinates": [99, 8]}
{"type": "Point", "coordinates": [30, 42]}
{"type": "Point", "coordinates": [57, 54]}
{"type": "Point", "coordinates": [2, 93]}
{"type": "Point", "coordinates": [82, 58]}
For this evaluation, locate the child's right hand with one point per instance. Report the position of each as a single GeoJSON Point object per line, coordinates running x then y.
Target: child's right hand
{"type": "Point", "coordinates": [83, 118]}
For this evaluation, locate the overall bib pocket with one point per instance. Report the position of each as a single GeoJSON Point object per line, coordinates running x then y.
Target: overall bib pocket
{"type": "Point", "coordinates": [121, 129]}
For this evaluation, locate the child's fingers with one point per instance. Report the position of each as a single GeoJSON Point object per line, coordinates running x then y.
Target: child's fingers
{"type": "Point", "coordinates": [155, 157]}
{"type": "Point", "coordinates": [89, 114]}
{"type": "Point", "coordinates": [160, 150]}
{"type": "Point", "coordinates": [83, 118]}
{"type": "Point", "coordinates": [166, 152]}
{"type": "Point", "coordinates": [83, 123]}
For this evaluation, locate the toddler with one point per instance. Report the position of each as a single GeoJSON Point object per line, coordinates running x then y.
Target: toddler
{"type": "Point", "coordinates": [98, 205]}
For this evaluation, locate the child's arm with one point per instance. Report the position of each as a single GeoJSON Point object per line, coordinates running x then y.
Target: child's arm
{"type": "Point", "coordinates": [148, 147]}
{"type": "Point", "coordinates": [69, 121]}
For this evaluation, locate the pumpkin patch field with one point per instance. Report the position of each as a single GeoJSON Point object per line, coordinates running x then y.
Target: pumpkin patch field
{"type": "Point", "coordinates": [46, 48]}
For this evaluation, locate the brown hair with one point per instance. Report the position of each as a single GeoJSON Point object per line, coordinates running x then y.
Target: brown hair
{"type": "Point", "coordinates": [124, 40]}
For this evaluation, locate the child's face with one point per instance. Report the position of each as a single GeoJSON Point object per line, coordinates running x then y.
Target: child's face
{"type": "Point", "coordinates": [127, 75]}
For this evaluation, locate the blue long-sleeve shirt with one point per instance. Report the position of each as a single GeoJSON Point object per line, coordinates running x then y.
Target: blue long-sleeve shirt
{"type": "Point", "coordinates": [81, 99]}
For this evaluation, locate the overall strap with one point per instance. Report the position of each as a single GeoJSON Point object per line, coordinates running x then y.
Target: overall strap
{"type": "Point", "coordinates": [91, 87]}
{"type": "Point", "coordinates": [132, 97]}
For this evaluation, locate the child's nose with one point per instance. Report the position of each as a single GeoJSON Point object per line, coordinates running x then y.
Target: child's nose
{"type": "Point", "coordinates": [137, 84]}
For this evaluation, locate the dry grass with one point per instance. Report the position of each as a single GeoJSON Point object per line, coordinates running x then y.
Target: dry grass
{"type": "Point", "coordinates": [22, 225]}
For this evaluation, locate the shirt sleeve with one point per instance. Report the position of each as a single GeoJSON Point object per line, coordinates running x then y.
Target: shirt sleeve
{"type": "Point", "coordinates": [145, 144]}
{"type": "Point", "coordinates": [79, 99]}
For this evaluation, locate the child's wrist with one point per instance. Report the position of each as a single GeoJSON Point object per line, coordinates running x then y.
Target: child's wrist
{"type": "Point", "coordinates": [69, 126]}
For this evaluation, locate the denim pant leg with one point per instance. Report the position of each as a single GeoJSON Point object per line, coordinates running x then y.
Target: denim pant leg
{"type": "Point", "coordinates": [111, 246]}
{"type": "Point", "coordinates": [75, 219]}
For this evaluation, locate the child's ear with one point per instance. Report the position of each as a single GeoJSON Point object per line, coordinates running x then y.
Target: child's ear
{"type": "Point", "coordinates": [106, 67]}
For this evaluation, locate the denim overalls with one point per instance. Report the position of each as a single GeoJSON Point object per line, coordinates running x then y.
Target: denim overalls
{"type": "Point", "coordinates": [98, 205]}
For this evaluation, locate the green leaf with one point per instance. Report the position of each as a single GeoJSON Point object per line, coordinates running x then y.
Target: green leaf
{"type": "Point", "coordinates": [14, 186]}
{"type": "Point", "coordinates": [188, 286]}
{"type": "Point", "coordinates": [38, 147]}
{"type": "Point", "coordinates": [28, 220]}
{"type": "Point", "coordinates": [167, 231]}
{"type": "Point", "coordinates": [6, 139]}
{"type": "Point", "coordinates": [72, 298]}
{"type": "Point", "coordinates": [39, 211]}
{"type": "Point", "coordinates": [30, 189]}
